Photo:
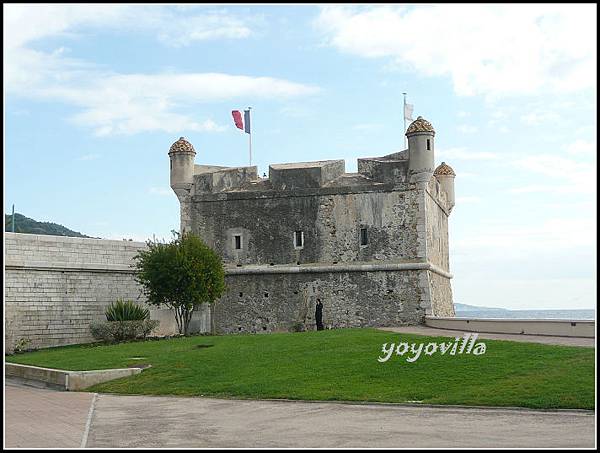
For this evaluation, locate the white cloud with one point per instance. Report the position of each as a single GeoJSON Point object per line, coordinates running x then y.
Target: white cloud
{"type": "Point", "coordinates": [551, 188]}
{"type": "Point", "coordinates": [467, 129]}
{"type": "Point", "coordinates": [132, 103]}
{"type": "Point", "coordinates": [493, 50]}
{"type": "Point", "coordinates": [563, 175]}
{"type": "Point", "coordinates": [538, 117]}
{"type": "Point", "coordinates": [582, 147]}
{"type": "Point", "coordinates": [464, 154]}
{"type": "Point", "coordinates": [113, 103]}
{"type": "Point", "coordinates": [205, 27]}
{"type": "Point", "coordinates": [500, 240]}
{"type": "Point", "coordinates": [554, 166]}
{"type": "Point", "coordinates": [171, 26]}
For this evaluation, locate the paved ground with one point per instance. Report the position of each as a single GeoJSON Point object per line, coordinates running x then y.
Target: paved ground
{"type": "Point", "coordinates": [430, 331]}
{"type": "Point", "coordinates": [42, 418]}
{"type": "Point", "coordinates": [36, 417]}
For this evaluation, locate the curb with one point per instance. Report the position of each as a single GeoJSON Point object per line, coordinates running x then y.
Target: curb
{"type": "Point", "coordinates": [63, 379]}
{"type": "Point", "coordinates": [573, 411]}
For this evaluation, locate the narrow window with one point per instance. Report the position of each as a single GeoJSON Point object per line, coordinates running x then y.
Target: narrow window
{"type": "Point", "coordinates": [298, 239]}
{"type": "Point", "coordinates": [428, 145]}
{"type": "Point", "coordinates": [238, 241]}
{"type": "Point", "coordinates": [364, 238]}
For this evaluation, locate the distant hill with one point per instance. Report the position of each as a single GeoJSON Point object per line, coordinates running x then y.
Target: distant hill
{"type": "Point", "coordinates": [26, 225]}
{"type": "Point", "coordinates": [465, 307]}
{"type": "Point", "coordinates": [473, 311]}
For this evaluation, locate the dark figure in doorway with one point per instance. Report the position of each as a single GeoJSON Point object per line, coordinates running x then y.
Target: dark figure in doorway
{"type": "Point", "coordinates": [319, 315]}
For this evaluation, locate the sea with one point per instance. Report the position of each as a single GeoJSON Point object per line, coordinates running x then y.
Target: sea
{"type": "Point", "coordinates": [526, 314]}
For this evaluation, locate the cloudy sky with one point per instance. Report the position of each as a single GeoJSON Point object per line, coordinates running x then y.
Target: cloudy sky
{"type": "Point", "coordinates": [95, 95]}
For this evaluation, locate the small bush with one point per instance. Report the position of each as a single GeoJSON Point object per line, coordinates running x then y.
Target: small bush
{"type": "Point", "coordinates": [126, 310]}
{"type": "Point", "coordinates": [21, 345]}
{"type": "Point", "coordinates": [115, 331]}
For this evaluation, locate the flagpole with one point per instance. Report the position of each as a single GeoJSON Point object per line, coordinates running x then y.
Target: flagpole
{"type": "Point", "coordinates": [404, 116]}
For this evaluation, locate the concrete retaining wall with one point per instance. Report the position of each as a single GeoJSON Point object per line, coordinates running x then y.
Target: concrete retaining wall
{"type": "Point", "coordinates": [66, 380]}
{"type": "Point", "coordinates": [56, 286]}
{"type": "Point", "coordinates": [554, 327]}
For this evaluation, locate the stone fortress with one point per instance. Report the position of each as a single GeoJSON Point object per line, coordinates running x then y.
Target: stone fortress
{"type": "Point", "coordinates": [371, 245]}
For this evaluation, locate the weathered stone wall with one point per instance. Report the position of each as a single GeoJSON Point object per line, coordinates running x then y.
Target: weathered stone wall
{"type": "Point", "coordinates": [330, 223]}
{"type": "Point", "coordinates": [436, 220]}
{"type": "Point", "coordinates": [266, 302]}
{"type": "Point", "coordinates": [441, 295]}
{"type": "Point", "coordinates": [437, 226]}
{"type": "Point", "coordinates": [276, 286]}
{"type": "Point", "coordinates": [55, 286]}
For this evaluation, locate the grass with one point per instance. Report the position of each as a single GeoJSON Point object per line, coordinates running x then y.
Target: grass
{"type": "Point", "coordinates": [338, 365]}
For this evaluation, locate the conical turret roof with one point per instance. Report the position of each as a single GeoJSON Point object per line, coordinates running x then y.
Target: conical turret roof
{"type": "Point", "coordinates": [182, 146]}
{"type": "Point", "coordinates": [420, 125]}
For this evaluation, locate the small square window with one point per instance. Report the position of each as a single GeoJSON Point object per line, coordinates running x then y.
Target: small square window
{"type": "Point", "coordinates": [298, 239]}
{"type": "Point", "coordinates": [364, 238]}
{"type": "Point", "coordinates": [237, 242]}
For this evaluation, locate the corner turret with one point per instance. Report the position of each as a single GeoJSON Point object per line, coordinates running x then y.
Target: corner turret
{"type": "Point", "coordinates": [420, 135]}
{"type": "Point", "coordinates": [182, 155]}
{"type": "Point", "coordinates": [445, 175]}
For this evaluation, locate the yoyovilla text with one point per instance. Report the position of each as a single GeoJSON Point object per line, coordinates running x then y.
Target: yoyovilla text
{"type": "Point", "coordinates": [414, 350]}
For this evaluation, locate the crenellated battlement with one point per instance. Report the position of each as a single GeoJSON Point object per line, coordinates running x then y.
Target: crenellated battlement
{"type": "Point", "coordinates": [403, 170]}
{"type": "Point", "coordinates": [373, 171]}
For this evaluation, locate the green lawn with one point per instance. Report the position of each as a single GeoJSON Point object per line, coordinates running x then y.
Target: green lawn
{"type": "Point", "coordinates": [338, 365]}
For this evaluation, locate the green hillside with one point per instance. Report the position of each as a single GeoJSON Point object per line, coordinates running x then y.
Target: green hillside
{"type": "Point", "coordinates": [26, 225]}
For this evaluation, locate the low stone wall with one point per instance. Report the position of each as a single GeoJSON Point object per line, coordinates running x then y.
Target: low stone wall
{"type": "Point", "coordinates": [56, 286]}
{"type": "Point", "coordinates": [553, 327]}
{"type": "Point", "coordinates": [65, 380]}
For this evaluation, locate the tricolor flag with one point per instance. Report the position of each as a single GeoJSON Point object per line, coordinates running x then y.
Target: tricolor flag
{"type": "Point", "coordinates": [237, 119]}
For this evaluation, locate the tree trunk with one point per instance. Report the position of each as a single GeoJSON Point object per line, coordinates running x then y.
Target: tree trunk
{"type": "Point", "coordinates": [187, 318]}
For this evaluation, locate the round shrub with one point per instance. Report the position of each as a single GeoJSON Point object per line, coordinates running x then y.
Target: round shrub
{"type": "Point", "coordinates": [115, 331]}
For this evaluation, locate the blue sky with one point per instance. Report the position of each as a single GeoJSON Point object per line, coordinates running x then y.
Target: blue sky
{"type": "Point", "coordinates": [95, 95]}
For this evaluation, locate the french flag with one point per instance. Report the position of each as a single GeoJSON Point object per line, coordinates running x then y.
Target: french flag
{"type": "Point", "coordinates": [242, 124]}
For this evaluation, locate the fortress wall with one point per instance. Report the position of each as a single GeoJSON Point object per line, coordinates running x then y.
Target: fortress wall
{"type": "Point", "coordinates": [265, 302]}
{"type": "Point", "coordinates": [55, 286]}
{"type": "Point", "coordinates": [437, 228]}
{"type": "Point", "coordinates": [331, 225]}
{"type": "Point", "coordinates": [436, 220]}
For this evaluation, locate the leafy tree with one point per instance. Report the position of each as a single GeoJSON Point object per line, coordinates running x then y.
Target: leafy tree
{"type": "Point", "coordinates": [181, 274]}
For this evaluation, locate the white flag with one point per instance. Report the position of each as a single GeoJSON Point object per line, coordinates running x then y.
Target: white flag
{"type": "Point", "coordinates": [408, 111]}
